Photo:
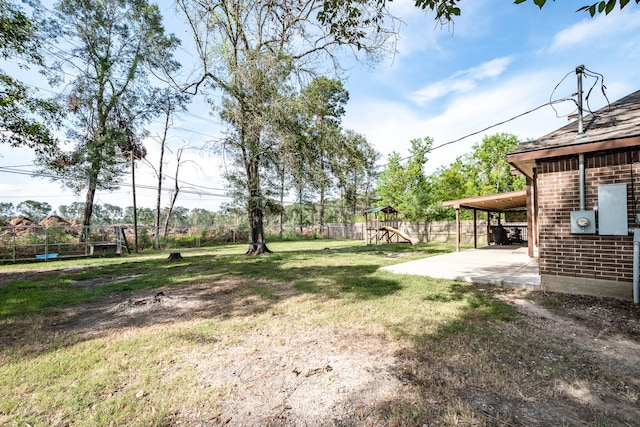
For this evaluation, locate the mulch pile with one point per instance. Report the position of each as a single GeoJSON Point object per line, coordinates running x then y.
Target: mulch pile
{"type": "Point", "coordinates": [23, 226]}
{"type": "Point", "coordinates": [54, 220]}
{"type": "Point", "coordinates": [22, 221]}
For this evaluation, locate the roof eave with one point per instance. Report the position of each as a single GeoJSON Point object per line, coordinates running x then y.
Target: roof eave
{"type": "Point", "coordinates": [516, 158]}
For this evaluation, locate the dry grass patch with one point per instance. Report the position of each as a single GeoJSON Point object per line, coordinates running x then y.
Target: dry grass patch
{"type": "Point", "coordinates": [306, 337]}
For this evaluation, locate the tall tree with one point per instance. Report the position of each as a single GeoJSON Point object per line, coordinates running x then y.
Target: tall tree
{"type": "Point", "coordinates": [391, 184]}
{"type": "Point", "coordinates": [355, 172]}
{"type": "Point", "coordinates": [25, 120]}
{"type": "Point", "coordinates": [6, 210]}
{"type": "Point", "coordinates": [482, 171]}
{"type": "Point", "coordinates": [250, 51]}
{"type": "Point", "coordinates": [73, 211]}
{"type": "Point", "coordinates": [418, 193]}
{"type": "Point", "coordinates": [169, 103]}
{"type": "Point", "coordinates": [34, 210]}
{"type": "Point", "coordinates": [405, 187]}
{"type": "Point", "coordinates": [113, 44]}
{"type": "Point", "coordinates": [323, 103]}
{"type": "Point", "coordinates": [491, 172]}
{"type": "Point", "coordinates": [454, 181]}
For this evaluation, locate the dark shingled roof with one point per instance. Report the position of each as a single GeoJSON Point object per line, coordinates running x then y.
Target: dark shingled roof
{"type": "Point", "coordinates": [620, 120]}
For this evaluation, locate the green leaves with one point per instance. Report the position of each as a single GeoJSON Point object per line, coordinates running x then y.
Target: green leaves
{"type": "Point", "coordinates": [445, 9]}
{"type": "Point", "coordinates": [405, 187]}
{"type": "Point", "coordinates": [25, 120]}
{"type": "Point", "coordinates": [596, 8]}
{"type": "Point", "coordinates": [603, 6]}
{"type": "Point", "coordinates": [538, 3]}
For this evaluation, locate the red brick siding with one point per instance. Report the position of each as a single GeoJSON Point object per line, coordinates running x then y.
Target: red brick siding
{"type": "Point", "coordinates": [574, 255]}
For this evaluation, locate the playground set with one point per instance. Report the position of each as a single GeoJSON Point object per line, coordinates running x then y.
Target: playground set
{"type": "Point", "coordinates": [382, 226]}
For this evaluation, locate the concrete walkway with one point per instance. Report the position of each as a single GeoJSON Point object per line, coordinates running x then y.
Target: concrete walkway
{"type": "Point", "coordinates": [505, 266]}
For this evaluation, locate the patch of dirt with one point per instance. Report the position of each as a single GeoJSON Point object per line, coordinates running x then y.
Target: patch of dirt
{"type": "Point", "coordinates": [609, 316]}
{"type": "Point", "coordinates": [317, 376]}
{"type": "Point", "coordinates": [271, 377]}
{"type": "Point", "coordinates": [220, 299]}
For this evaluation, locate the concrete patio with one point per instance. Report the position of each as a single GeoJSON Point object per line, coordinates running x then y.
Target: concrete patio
{"type": "Point", "coordinates": [506, 266]}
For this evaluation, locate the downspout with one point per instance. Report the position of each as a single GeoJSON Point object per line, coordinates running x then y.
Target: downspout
{"type": "Point", "coordinates": [581, 179]}
{"type": "Point", "coordinates": [581, 134]}
{"type": "Point", "coordinates": [636, 242]}
{"type": "Point", "coordinates": [636, 265]}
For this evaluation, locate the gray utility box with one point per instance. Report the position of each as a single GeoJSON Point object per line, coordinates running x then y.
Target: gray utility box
{"type": "Point", "coordinates": [583, 222]}
{"type": "Point", "coordinates": [612, 210]}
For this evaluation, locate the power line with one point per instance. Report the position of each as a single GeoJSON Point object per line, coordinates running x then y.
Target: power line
{"type": "Point", "coordinates": [485, 129]}
{"type": "Point", "coordinates": [12, 170]}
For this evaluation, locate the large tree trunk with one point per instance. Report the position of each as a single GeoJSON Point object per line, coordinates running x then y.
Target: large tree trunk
{"type": "Point", "coordinates": [282, 200]}
{"type": "Point", "coordinates": [88, 208]}
{"type": "Point", "coordinates": [88, 211]}
{"type": "Point", "coordinates": [160, 166]}
{"type": "Point", "coordinates": [322, 197]}
{"type": "Point", "coordinates": [176, 190]}
{"type": "Point", "coordinates": [257, 241]}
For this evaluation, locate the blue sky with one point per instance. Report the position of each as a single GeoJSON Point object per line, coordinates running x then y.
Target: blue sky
{"type": "Point", "coordinates": [496, 62]}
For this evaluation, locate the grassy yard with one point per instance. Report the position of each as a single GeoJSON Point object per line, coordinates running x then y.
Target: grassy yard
{"type": "Point", "coordinates": [312, 334]}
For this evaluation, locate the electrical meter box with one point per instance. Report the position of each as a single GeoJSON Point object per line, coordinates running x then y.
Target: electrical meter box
{"type": "Point", "coordinates": [583, 222]}
{"type": "Point", "coordinates": [612, 210]}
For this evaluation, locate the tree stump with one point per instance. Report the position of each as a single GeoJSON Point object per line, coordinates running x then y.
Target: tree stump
{"type": "Point", "coordinates": [174, 256]}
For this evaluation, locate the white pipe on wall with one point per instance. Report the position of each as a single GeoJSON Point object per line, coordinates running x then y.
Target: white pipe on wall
{"type": "Point", "coordinates": [581, 178]}
{"type": "Point", "coordinates": [636, 265]}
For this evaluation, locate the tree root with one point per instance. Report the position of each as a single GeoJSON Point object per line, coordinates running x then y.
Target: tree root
{"type": "Point", "coordinates": [174, 256]}
{"type": "Point", "coordinates": [258, 249]}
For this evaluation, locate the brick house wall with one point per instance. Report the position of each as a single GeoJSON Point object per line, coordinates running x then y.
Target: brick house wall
{"type": "Point", "coordinates": [584, 264]}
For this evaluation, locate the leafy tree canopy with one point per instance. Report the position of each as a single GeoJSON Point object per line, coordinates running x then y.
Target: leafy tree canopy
{"type": "Point", "coordinates": [113, 46]}
{"type": "Point", "coordinates": [25, 120]}
{"type": "Point", "coordinates": [348, 19]}
{"type": "Point", "coordinates": [34, 210]}
{"type": "Point", "coordinates": [605, 7]}
{"type": "Point", "coordinates": [405, 187]}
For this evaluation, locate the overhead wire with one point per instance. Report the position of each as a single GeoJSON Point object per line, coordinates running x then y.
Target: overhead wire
{"type": "Point", "coordinates": [603, 88]}
{"type": "Point", "coordinates": [195, 191]}
{"type": "Point", "coordinates": [484, 129]}
{"type": "Point", "coordinates": [551, 102]}
{"type": "Point", "coordinates": [554, 91]}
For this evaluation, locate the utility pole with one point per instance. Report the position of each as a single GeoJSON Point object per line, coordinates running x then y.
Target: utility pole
{"type": "Point", "coordinates": [135, 208]}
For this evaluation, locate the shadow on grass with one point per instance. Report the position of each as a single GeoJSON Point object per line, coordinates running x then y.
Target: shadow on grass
{"type": "Point", "coordinates": [488, 365]}
{"type": "Point", "coordinates": [138, 293]}
{"type": "Point", "coordinates": [356, 281]}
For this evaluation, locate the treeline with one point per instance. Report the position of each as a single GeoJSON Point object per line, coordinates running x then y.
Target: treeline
{"type": "Point", "coordinates": [484, 170]}
{"type": "Point", "coordinates": [293, 216]}
{"type": "Point", "coordinates": [402, 184]}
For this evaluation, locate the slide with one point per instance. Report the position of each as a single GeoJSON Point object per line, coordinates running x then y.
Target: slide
{"type": "Point", "coordinates": [411, 240]}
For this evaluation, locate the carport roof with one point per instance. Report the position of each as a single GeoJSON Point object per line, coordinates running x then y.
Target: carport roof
{"type": "Point", "coordinates": [513, 200]}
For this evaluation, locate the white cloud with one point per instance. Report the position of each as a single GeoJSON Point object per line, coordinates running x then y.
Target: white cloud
{"type": "Point", "coordinates": [598, 30]}
{"type": "Point", "coordinates": [390, 126]}
{"type": "Point", "coordinates": [462, 81]}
